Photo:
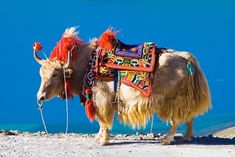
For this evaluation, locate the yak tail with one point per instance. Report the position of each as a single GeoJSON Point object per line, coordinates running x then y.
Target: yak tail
{"type": "Point", "coordinates": [198, 90]}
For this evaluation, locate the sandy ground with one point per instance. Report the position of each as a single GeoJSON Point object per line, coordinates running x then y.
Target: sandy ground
{"type": "Point", "coordinates": [226, 133]}
{"type": "Point", "coordinates": [14, 144]}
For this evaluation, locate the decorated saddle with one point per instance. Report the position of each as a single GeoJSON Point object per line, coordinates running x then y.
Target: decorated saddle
{"type": "Point", "coordinates": [134, 63]}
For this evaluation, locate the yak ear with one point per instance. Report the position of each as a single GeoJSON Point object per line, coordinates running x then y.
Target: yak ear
{"type": "Point", "coordinates": [68, 72]}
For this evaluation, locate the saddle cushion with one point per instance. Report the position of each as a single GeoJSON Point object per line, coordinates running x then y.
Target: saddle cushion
{"type": "Point", "coordinates": [138, 58]}
{"type": "Point", "coordinates": [134, 52]}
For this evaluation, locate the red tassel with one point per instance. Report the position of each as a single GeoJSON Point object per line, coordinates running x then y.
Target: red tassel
{"type": "Point", "coordinates": [90, 110]}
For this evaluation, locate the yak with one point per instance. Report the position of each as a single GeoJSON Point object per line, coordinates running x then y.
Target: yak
{"type": "Point", "coordinates": [176, 97]}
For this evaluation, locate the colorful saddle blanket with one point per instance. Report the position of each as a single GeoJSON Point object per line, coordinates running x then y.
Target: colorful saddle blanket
{"type": "Point", "coordinates": [135, 64]}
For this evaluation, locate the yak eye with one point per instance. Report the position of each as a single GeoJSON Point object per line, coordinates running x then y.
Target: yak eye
{"type": "Point", "coordinates": [54, 75]}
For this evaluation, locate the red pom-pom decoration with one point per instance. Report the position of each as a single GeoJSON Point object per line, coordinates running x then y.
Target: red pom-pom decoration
{"type": "Point", "coordinates": [88, 91]}
{"type": "Point", "coordinates": [37, 46]}
{"type": "Point", "coordinates": [90, 110]}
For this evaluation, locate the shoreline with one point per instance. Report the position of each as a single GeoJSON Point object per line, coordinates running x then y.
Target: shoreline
{"type": "Point", "coordinates": [33, 128]}
{"type": "Point", "coordinates": [16, 143]}
{"type": "Point", "coordinates": [213, 124]}
{"type": "Point", "coordinates": [228, 132]}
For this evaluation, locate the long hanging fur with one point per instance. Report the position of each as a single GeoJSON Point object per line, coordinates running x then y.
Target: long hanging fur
{"type": "Point", "coordinates": [188, 99]}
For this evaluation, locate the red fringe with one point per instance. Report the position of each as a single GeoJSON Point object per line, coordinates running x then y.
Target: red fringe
{"type": "Point", "coordinates": [90, 110]}
{"type": "Point", "coordinates": [60, 52]}
{"type": "Point", "coordinates": [105, 41]}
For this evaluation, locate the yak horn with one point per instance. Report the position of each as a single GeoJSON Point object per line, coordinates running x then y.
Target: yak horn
{"type": "Point", "coordinates": [69, 61]}
{"type": "Point", "coordinates": [39, 60]}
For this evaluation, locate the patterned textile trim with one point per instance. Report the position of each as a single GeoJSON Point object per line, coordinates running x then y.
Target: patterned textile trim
{"type": "Point", "coordinates": [88, 82]}
{"type": "Point", "coordinates": [138, 80]}
{"type": "Point", "coordinates": [89, 78]}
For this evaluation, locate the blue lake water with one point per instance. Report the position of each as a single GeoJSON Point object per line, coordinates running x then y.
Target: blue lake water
{"type": "Point", "coordinates": [202, 126]}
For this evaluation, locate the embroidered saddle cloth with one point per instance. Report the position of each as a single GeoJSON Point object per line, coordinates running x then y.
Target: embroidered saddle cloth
{"type": "Point", "coordinates": [137, 58]}
{"type": "Point", "coordinates": [135, 64]}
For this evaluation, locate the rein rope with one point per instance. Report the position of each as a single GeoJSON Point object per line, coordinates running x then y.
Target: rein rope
{"type": "Point", "coordinates": [66, 104]}
{"type": "Point", "coordinates": [40, 103]}
{"type": "Point", "coordinates": [37, 46]}
{"type": "Point", "coordinates": [40, 107]}
{"type": "Point", "coordinates": [44, 54]}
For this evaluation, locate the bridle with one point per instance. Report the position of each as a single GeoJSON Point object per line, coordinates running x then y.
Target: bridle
{"type": "Point", "coordinates": [40, 107]}
{"type": "Point", "coordinates": [40, 102]}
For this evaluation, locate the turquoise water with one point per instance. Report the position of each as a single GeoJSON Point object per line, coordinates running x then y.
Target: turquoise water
{"type": "Point", "coordinates": [203, 125]}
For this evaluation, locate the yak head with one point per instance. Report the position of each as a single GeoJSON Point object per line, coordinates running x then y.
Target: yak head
{"type": "Point", "coordinates": [56, 71]}
{"type": "Point", "coordinates": [53, 74]}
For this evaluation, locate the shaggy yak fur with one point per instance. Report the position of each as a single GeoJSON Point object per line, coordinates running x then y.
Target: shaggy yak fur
{"type": "Point", "coordinates": [176, 97]}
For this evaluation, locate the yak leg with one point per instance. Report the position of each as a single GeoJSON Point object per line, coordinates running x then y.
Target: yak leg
{"type": "Point", "coordinates": [99, 134]}
{"type": "Point", "coordinates": [104, 109]}
{"type": "Point", "coordinates": [105, 136]}
{"type": "Point", "coordinates": [105, 121]}
{"type": "Point", "coordinates": [170, 135]}
{"type": "Point", "coordinates": [189, 131]}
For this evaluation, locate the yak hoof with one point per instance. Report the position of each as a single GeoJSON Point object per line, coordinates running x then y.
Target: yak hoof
{"type": "Point", "coordinates": [97, 137]}
{"type": "Point", "coordinates": [103, 142]}
{"type": "Point", "coordinates": [187, 138]}
{"type": "Point", "coordinates": [167, 141]}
